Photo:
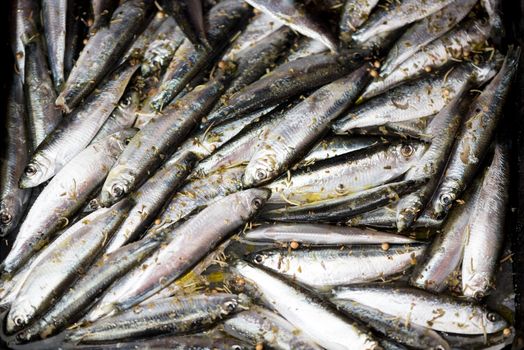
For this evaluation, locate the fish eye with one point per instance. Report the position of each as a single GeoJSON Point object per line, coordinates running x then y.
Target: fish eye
{"type": "Point", "coordinates": [258, 258]}
{"type": "Point", "coordinates": [118, 190]}
{"type": "Point", "coordinates": [493, 317]}
{"type": "Point", "coordinates": [357, 55]}
{"type": "Point", "coordinates": [445, 199]}
{"type": "Point", "coordinates": [256, 203]}
{"type": "Point", "coordinates": [236, 347]}
{"type": "Point", "coordinates": [19, 321]}
{"type": "Point", "coordinates": [407, 150]}
{"type": "Point", "coordinates": [93, 204]}
{"type": "Point", "coordinates": [230, 306]}
{"type": "Point", "coordinates": [260, 174]}
{"type": "Point", "coordinates": [478, 295]}
{"type": "Point", "coordinates": [125, 102]}
{"type": "Point", "coordinates": [30, 170]}
{"type": "Point", "coordinates": [5, 218]}
{"type": "Point", "coordinates": [127, 141]}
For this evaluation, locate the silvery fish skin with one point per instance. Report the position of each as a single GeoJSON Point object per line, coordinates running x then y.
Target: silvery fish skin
{"type": "Point", "coordinates": [99, 276]}
{"type": "Point", "coordinates": [299, 128]}
{"type": "Point", "coordinates": [102, 11]}
{"type": "Point", "coordinates": [23, 24]}
{"type": "Point", "coordinates": [438, 312]}
{"type": "Point", "coordinates": [198, 193]}
{"type": "Point", "coordinates": [335, 145]}
{"type": "Point", "coordinates": [189, 17]}
{"type": "Point", "coordinates": [474, 137]}
{"type": "Point", "coordinates": [324, 268]}
{"type": "Point", "coordinates": [445, 253]}
{"type": "Point", "coordinates": [60, 264]}
{"type": "Point", "coordinates": [186, 245]}
{"type": "Point", "coordinates": [413, 128]}
{"type": "Point", "coordinates": [76, 130]}
{"type": "Point", "coordinates": [76, 28]}
{"type": "Point", "coordinates": [52, 209]}
{"type": "Point", "coordinates": [396, 15]}
{"type": "Point", "coordinates": [14, 154]}
{"type": "Point", "coordinates": [122, 117]}
{"type": "Point", "coordinates": [161, 50]}
{"type": "Point", "coordinates": [10, 285]}
{"type": "Point", "coordinates": [345, 174]}
{"type": "Point", "coordinates": [54, 20]}
{"type": "Point", "coordinates": [156, 140]}
{"type": "Point", "coordinates": [406, 333]}
{"type": "Point", "coordinates": [486, 228]}
{"type": "Point", "coordinates": [344, 207]}
{"type": "Point", "coordinates": [443, 129]}
{"type": "Point", "coordinates": [317, 319]}
{"type": "Point", "coordinates": [149, 199]}
{"type": "Point", "coordinates": [141, 44]}
{"type": "Point", "coordinates": [174, 315]}
{"type": "Point", "coordinates": [425, 31]}
{"type": "Point", "coordinates": [293, 15]}
{"type": "Point", "coordinates": [354, 14]}
{"type": "Point", "coordinates": [101, 53]}
{"type": "Point", "coordinates": [493, 9]}
{"type": "Point", "coordinates": [321, 234]}
{"type": "Point", "coordinates": [253, 62]}
{"type": "Point", "coordinates": [305, 47]}
{"type": "Point", "coordinates": [39, 93]}
{"type": "Point", "coordinates": [414, 99]}
{"type": "Point", "coordinates": [188, 61]}
{"type": "Point", "coordinates": [261, 325]}
{"type": "Point", "coordinates": [288, 80]}
{"type": "Point", "coordinates": [386, 218]}
{"type": "Point", "coordinates": [454, 45]}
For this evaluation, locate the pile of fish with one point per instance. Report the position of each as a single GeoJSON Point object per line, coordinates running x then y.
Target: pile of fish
{"type": "Point", "coordinates": [256, 174]}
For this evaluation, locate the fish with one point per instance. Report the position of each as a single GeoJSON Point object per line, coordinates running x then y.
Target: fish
{"type": "Point", "coordinates": [321, 234]}
{"type": "Point", "coordinates": [412, 128]}
{"type": "Point", "coordinates": [76, 131]}
{"type": "Point", "coordinates": [345, 174]}
{"type": "Point", "coordinates": [189, 17]}
{"type": "Point", "coordinates": [444, 128]}
{"type": "Point", "coordinates": [304, 47]}
{"type": "Point", "coordinates": [436, 270]}
{"type": "Point", "coordinates": [259, 325]}
{"type": "Point", "coordinates": [54, 21]}
{"type": "Point", "coordinates": [324, 268]}
{"type": "Point", "coordinates": [176, 315]}
{"type": "Point", "coordinates": [186, 245]}
{"type": "Point", "coordinates": [344, 207]}
{"type": "Point", "coordinates": [473, 138]}
{"type": "Point", "coordinates": [386, 218]}
{"type": "Point", "coordinates": [438, 312]}
{"type": "Point", "coordinates": [487, 227]}
{"type": "Point", "coordinates": [39, 93]}
{"type": "Point", "coordinates": [493, 9]}
{"type": "Point", "coordinates": [102, 11]}
{"type": "Point", "coordinates": [62, 197]}
{"type": "Point", "coordinates": [318, 319]}
{"type": "Point", "coordinates": [393, 328]}
{"type": "Point", "coordinates": [293, 15]}
{"type": "Point", "coordinates": [457, 44]}
{"type": "Point", "coordinates": [60, 264]}
{"type": "Point", "coordinates": [396, 15]}
{"type": "Point", "coordinates": [24, 22]}
{"type": "Point", "coordinates": [300, 127]}
{"type": "Point", "coordinates": [76, 28]}
{"type": "Point", "coordinates": [101, 52]}
{"type": "Point", "coordinates": [223, 19]}
{"type": "Point", "coordinates": [354, 14]}
{"type": "Point", "coordinates": [288, 80]}
{"type": "Point", "coordinates": [146, 150]}
{"type": "Point", "coordinates": [414, 99]}
{"type": "Point", "coordinates": [425, 31]}
{"type": "Point", "coordinates": [15, 153]}
{"type": "Point", "coordinates": [99, 276]}
{"type": "Point", "coordinates": [149, 199]}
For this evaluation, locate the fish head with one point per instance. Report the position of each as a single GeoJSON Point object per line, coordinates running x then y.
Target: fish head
{"type": "Point", "coordinates": [444, 198]}
{"type": "Point", "coordinates": [269, 259]}
{"type": "Point", "coordinates": [260, 170]}
{"type": "Point", "coordinates": [410, 152]}
{"type": "Point", "coordinates": [38, 170]}
{"type": "Point", "coordinates": [7, 216]}
{"type": "Point", "coordinates": [493, 322]}
{"type": "Point", "coordinates": [19, 316]}
{"type": "Point", "coordinates": [252, 200]}
{"type": "Point", "coordinates": [116, 186]}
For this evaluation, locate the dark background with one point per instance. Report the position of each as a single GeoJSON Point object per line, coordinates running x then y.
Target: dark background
{"type": "Point", "coordinates": [512, 127]}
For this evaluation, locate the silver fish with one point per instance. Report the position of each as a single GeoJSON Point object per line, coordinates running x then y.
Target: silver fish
{"type": "Point", "coordinates": [354, 14]}
{"type": "Point", "coordinates": [54, 20]}
{"type": "Point", "coordinates": [64, 194]}
{"type": "Point", "coordinates": [438, 312]}
{"type": "Point", "coordinates": [324, 268]}
{"type": "Point", "coordinates": [475, 135]}
{"type": "Point", "coordinates": [186, 245]}
{"type": "Point", "coordinates": [293, 15]}
{"type": "Point", "coordinates": [305, 47]}
{"type": "Point", "coordinates": [24, 22]}
{"type": "Point", "coordinates": [485, 233]}
{"type": "Point", "coordinates": [76, 131]}
{"type": "Point", "coordinates": [317, 319]}
{"type": "Point", "coordinates": [300, 127]}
